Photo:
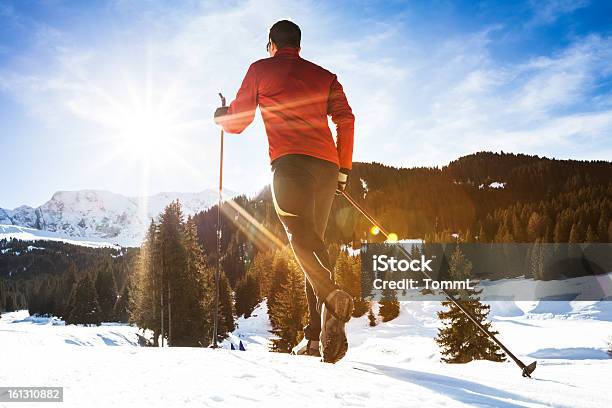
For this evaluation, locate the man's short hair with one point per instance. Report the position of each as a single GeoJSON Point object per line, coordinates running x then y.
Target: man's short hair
{"type": "Point", "coordinates": [285, 33]}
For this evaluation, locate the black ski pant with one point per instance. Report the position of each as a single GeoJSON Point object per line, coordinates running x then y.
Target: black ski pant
{"type": "Point", "coordinates": [303, 189]}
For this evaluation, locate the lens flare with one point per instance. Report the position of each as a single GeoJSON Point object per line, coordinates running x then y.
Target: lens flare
{"type": "Point", "coordinates": [374, 230]}
{"type": "Point", "coordinates": [392, 237]}
{"type": "Point", "coordinates": [256, 232]}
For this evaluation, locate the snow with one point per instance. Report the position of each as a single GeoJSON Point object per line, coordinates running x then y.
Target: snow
{"type": "Point", "coordinates": [364, 185]}
{"type": "Point", "coordinates": [571, 353]}
{"type": "Point", "coordinates": [395, 364]}
{"type": "Point", "coordinates": [20, 331]}
{"type": "Point", "coordinates": [580, 289]}
{"type": "Point", "coordinates": [9, 232]}
{"type": "Point", "coordinates": [254, 332]}
{"type": "Point", "coordinates": [495, 184]}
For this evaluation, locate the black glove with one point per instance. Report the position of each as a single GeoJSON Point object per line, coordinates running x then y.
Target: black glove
{"type": "Point", "coordinates": [219, 113]}
{"type": "Point", "coordinates": [342, 180]}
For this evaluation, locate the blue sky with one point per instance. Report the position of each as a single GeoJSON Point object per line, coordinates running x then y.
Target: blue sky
{"type": "Point", "coordinates": [118, 95]}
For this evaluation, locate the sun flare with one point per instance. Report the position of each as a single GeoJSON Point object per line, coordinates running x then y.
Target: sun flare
{"type": "Point", "coordinates": [145, 135]}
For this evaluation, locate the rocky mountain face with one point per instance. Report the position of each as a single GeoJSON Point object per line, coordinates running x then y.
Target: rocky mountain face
{"type": "Point", "coordinates": [116, 218]}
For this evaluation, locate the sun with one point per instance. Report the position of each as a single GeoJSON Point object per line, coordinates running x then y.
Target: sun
{"type": "Point", "coordinates": [144, 129]}
{"type": "Point", "coordinates": [148, 139]}
{"type": "Point", "coordinates": [145, 134]}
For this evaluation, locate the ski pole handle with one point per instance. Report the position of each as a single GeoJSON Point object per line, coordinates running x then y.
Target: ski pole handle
{"type": "Point", "coordinates": [223, 102]}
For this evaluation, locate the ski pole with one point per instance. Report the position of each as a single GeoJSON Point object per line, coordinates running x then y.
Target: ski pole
{"type": "Point", "coordinates": [218, 271]}
{"type": "Point", "coordinates": [527, 369]}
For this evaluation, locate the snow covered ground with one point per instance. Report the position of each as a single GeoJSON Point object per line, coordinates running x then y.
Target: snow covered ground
{"type": "Point", "coordinates": [9, 232]}
{"type": "Point", "coordinates": [20, 331]}
{"type": "Point", "coordinates": [394, 364]}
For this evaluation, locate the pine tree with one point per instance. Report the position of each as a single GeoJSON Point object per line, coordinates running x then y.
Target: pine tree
{"type": "Point", "coordinates": [288, 316]}
{"type": "Point", "coordinates": [576, 233]}
{"type": "Point", "coordinates": [371, 317]}
{"type": "Point", "coordinates": [201, 319]}
{"type": "Point", "coordinates": [65, 292]}
{"type": "Point", "coordinates": [84, 307]}
{"type": "Point", "coordinates": [468, 236]}
{"type": "Point", "coordinates": [482, 235]}
{"type": "Point", "coordinates": [460, 340]}
{"type": "Point", "coordinates": [172, 290]}
{"type": "Point", "coordinates": [563, 227]}
{"type": "Point", "coordinates": [54, 302]}
{"type": "Point", "coordinates": [145, 286]}
{"type": "Point", "coordinates": [34, 299]}
{"type": "Point", "coordinates": [591, 235]}
{"type": "Point", "coordinates": [503, 234]}
{"type": "Point", "coordinates": [278, 276]}
{"type": "Point", "coordinates": [389, 307]}
{"type": "Point", "coordinates": [260, 268]}
{"type": "Point", "coordinates": [174, 282]}
{"type": "Point", "coordinates": [548, 235]}
{"type": "Point", "coordinates": [189, 288]}
{"type": "Point", "coordinates": [106, 289]}
{"type": "Point", "coordinates": [348, 277]}
{"type": "Point", "coordinates": [534, 227]}
{"type": "Point", "coordinates": [602, 226]}
{"type": "Point", "coordinates": [518, 233]}
{"type": "Point", "coordinates": [226, 312]}
{"type": "Point", "coordinates": [233, 259]}
{"type": "Point", "coordinates": [120, 310]}
{"type": "Point", "coordinates": [247, 295]}
{"type": "Point", "coordinates": [9, 305]}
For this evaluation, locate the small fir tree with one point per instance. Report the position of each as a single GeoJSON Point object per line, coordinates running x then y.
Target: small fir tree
{"type": "Point", "coordinates": [288, 314]}
{"type": "Point", "coordinates": [389, 307]}
{"type": "Point", "coordinates": [371, 317]}
{"type": "Point", "coordinates": [348, 276]}
{"type": "Point", "coordinates": [460, 340]}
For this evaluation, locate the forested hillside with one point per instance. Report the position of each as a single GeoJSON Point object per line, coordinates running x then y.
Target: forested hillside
{"type": "Point", "coordinates": [43, 276]}
{"type": "Point", "coordinates": [484, 197]}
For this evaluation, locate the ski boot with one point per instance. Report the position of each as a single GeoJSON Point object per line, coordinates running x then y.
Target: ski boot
{"type": "Point", "coordinates": [335, 313]}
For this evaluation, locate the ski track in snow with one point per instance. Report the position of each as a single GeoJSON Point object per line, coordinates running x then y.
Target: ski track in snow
{"type": "Point", "coordinates": [395, 364]}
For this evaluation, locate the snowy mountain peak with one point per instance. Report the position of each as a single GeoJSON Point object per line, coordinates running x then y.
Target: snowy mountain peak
{"type": "Point", "coordinates": [100, 214]}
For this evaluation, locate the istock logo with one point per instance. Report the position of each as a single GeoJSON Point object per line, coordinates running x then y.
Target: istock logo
{"type": "Point", "coordinates": [384, 263]}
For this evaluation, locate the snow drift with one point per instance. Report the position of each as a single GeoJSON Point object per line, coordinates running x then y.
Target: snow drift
{"type": "Point", "coordinates": [394, 364]}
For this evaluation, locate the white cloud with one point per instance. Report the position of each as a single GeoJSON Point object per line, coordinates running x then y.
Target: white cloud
{"type": "Point", "coordinates": [415, 103]}
{"type": "Point", "coordinates": [459, 100]}
{"type": "Point", "coordinates": [548, 11]}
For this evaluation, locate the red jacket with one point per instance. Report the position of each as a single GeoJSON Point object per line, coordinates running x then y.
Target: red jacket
{"type": "Point", "coordinates": [295, 97]}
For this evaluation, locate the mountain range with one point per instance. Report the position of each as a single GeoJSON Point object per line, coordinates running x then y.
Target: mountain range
{"type": "Point", "coordinates": [103, 215]}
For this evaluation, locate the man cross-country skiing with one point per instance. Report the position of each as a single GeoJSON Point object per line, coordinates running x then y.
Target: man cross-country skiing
{"type": "Point", "coordinates": [295, 98]}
